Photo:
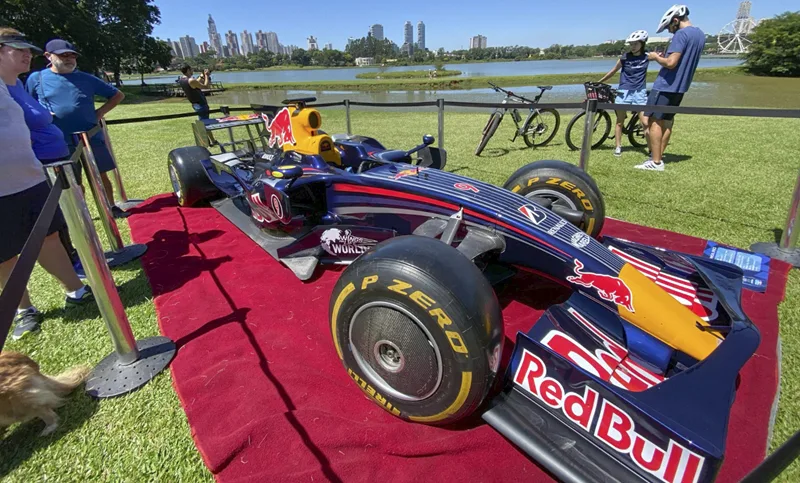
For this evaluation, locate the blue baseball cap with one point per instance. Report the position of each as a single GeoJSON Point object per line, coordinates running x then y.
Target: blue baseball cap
{"type": "Point", "coordinates": [60, 46]}
{"type": "Point", "coordinates": [17, 42]}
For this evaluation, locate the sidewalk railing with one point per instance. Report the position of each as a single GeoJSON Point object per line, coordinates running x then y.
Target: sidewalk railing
{"type": "Point", "coordinates": [785, 250]}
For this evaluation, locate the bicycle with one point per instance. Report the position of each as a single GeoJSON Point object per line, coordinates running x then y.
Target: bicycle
{"type": "Point", "coordinates": [534, 128]}
{"type": "Point", "coordinates": [602, 124]}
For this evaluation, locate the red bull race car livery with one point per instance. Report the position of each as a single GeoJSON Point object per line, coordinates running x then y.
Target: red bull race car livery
{"type": "Point", "coordinates": [630, 378]}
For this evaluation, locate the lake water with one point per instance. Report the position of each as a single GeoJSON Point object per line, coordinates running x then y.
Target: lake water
{"type": "Point", "coordinates": [480, 69]}
{"type": "Point", "coordinates": [743, 91]}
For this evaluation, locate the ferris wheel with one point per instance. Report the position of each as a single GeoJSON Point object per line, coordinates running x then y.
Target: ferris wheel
{"type": "Point", "coordinates": [733, 38]}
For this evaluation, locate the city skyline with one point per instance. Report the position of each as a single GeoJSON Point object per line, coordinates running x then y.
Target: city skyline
{"type": "Point", "coordinates": [448, 25]}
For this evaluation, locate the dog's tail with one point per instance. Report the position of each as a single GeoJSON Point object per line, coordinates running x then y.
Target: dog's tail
{"type": "Point", "coordinates": [66, 382]}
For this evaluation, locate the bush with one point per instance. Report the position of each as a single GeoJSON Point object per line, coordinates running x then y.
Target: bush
{"type": "Point", "coordinates": [775, 50]}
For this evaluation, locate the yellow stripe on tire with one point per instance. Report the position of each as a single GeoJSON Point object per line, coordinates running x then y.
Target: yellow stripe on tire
{"type": "Point", "coordinates": [342, 295]}
{"type": "Point", "coordinates": [466, 384]}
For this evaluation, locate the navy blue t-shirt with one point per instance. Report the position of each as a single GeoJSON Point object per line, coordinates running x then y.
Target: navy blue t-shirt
{"type": "Point", "coordinates": [633, 76]}
{"type": "Point", "coordinates": [690, 42]}
{"type": "Point", "coordinates": [70, 97]}
{"type": "Point", "coordinates": [48, 140]}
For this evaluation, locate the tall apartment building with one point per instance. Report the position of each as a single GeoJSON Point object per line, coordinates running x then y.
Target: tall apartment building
{"type": "Point", "coordinates": [408, 38]}
{"type": "Point", "coordinates": [176, 48]}
{"type": "Point", "coordinates": [233, 43]}
{"type": "Point", "coordinates": [477, 42]}
{"type": "Point", "coordinates": [189, 47]}
{"type": "Point", "coordinates": [421, 35]}
{"type": "Point", "coordinates": [214, 37]}
{"type": "Point", "coordinates": [247, 43]}
{"type": "Point", "coordinates": [376, 31]}
{"type": "Point", "coordinates": [272, 43]}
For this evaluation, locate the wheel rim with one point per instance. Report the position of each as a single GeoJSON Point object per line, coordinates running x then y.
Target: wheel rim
{"type": "Point", "coordinates": [395, 351]}
{"type": "Point", "coordinates": [554, 196]}
{"type": "Point", "coordinates": [173, 176]}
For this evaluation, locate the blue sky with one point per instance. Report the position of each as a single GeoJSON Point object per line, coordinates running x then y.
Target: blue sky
{"type": "Point", "coordinates": [448, 23]}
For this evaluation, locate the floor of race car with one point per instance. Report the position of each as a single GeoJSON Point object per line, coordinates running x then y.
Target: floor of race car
{"type": "Point", "coordinates": [267, 398]}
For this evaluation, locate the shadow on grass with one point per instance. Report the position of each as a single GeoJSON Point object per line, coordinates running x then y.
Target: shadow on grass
{"type": "Point", "coordinates": [676, 158]}
{"type": "Point", "coordinates": [131, 292]}
{"type": "Point", "coordinates": [493, 153]}
{"type": "Point", "coordinates": [23, 441]}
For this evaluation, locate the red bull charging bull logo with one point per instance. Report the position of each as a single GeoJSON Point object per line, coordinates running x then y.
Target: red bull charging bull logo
{"type": "Point", "coordinates": [280, 129]}
{"type": "Point", "coordinates": [408, 172]}
{"type": "Point", "coordinates": [609, 288]}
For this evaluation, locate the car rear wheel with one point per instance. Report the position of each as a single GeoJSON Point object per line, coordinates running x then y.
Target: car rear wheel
{"type": "Point", "coordinates": [563, 188]}
{"type": "Point", "coordinates": [188, 176]}
{"type": "Point", "coordinates": [420, 343]}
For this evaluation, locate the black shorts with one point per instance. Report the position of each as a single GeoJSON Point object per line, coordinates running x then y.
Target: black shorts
{"type": "Point", "coordinates": [658, 98]}
{"type": "Point", "coordinates": [18, 214]}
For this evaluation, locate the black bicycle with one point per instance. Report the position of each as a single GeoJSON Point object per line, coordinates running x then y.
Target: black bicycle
{"type": "Point", "coordinates": [602, 122]}
{"type": "Point", "coordinates": [539, 128]}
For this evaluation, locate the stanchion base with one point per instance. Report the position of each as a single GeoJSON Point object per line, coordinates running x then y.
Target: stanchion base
{"type": "Point", "coordinates": [126, 255]}
{"type": "Point", "coordinates": [127, 205]}
{"type": "Point", "coordinates": [110, 378]}
{"type": "Point", "coordinates": [772, 250]}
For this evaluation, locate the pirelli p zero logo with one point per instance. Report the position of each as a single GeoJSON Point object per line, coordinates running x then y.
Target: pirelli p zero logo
{"type": "Point", "coordinates": [609, 424]}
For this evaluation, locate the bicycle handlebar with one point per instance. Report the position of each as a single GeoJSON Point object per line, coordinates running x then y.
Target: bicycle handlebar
{"type": "Point", "coordinates": [511, 94]}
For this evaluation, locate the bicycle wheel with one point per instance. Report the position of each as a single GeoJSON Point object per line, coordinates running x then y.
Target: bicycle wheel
{"type": "Point", "coordinates": [488, 131]}
{"type": "Point", "coordinates": [636, 133]}
{"type": "Point", "coordinates": [541, 128]}
{"type": "Point", "coordinates": [602, 126]}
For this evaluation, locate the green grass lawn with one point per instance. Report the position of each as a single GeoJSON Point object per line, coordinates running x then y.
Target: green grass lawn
{"type": "Point", "coordinates": [727, 179]}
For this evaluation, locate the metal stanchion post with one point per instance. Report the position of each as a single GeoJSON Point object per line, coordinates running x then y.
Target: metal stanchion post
{"type": "Point", "coordinates": [787, 249]}
{"type": "Point", "coordinates": [119, 254]}
{"type": "Point", "coordinates": [440, 105]}
{"type": "Point", "coordinates": [133, 363]}
{"type": "Point", "coordinates": [347, 116]}
{"type": "Point", "coordinates": [588, 127]}
{"type": "Point", "coordinates": [124, 203]}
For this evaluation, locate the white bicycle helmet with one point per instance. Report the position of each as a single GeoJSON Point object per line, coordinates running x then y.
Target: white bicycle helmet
{"type": "Point", "coordinates": [674, 11]}
{"type": "Point", "coordinates": [638, 36]}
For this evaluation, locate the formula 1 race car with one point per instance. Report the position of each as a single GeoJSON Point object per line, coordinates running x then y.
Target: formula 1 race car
{"type": "Point", "coordinates": [630, 379]}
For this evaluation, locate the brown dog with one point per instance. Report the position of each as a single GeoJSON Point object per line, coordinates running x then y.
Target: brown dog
{"type": "Point", "coordinates": [26, 393]}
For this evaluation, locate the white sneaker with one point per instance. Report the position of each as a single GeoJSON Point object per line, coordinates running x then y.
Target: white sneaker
{"type": "Point", "coordinates": [651, 165]}
{"type": "Point", "coordinates": [618, 151]}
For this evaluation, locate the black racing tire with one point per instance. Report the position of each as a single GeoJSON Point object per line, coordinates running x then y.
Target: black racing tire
{"type": "Point", "coordinates": [188, 176]}
{"type": "Point", "coordinates": [636, 134]}
{"type": "Point", "coordinates": [564, 186]}
{"type": "Point", "coordinates": [419, 342]}
{"type": "Point", "coordinates": [542, 119]}
{"type": "Point", "coordinates": [488, 131]}
{"type": "Point", "coordinates": [574, 133]}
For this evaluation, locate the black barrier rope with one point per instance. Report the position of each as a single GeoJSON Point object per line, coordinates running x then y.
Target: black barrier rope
{"type": "Point", "coordinates": [713, 111]}
{"type": "Point", "coordinates": [395, 104]}
{"type": "Point", "coordinates": [775, 463]}
{"type": "Point", "coordinates": [509, 105]}
{"type": "Point", "coordinates": [710, 111]}
{"type": "Point", "coordinates": [18, 281]}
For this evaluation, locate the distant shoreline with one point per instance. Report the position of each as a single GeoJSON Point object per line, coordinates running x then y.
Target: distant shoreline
{"type": "Point", "coordinates": [702, 74]}
{"type": "Point", "coordinates": [135, 77]}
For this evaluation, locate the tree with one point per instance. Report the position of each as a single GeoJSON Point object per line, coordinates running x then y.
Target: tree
{"type": "Point", "coordinates": [105, 31]}
{"type": "Point", "coordinates": [151, 52]}
{"type": "Point", "coordinates": [775, 50]}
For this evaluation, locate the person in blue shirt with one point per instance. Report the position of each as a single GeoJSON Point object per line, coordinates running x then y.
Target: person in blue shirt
{"type": "Point", "coordinates": [69, 94]}
{"type": "Point", "coordinates": [49, 147]}
{"type": "Point", "coordinates": [632, 88]}
{"type": "Point", "coordinates": [674, 79]}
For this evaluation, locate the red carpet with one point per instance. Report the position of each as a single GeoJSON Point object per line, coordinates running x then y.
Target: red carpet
{"type": "Point", "coordinates": [268, 400]}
